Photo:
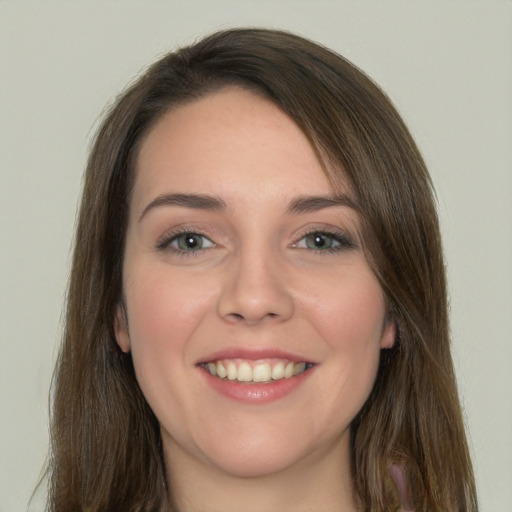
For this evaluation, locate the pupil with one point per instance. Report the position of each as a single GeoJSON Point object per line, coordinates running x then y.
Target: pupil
{"type": "Point", "coordinates": [320, 241]}
{"type": "Point", "coordinates": [191, 241]}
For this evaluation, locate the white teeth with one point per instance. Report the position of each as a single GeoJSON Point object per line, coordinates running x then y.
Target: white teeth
{"type": "Point", "coordinates": [299, 368]}
{"type": "Point", "coordinates": [221, 371]}
{"type": "Point", "coordinates": [262, 371]}
{"type": "Point", "coordinates": [212, 368]}
{"type": "Point", "coordinates": [278, 371]}
{"type": "Point", "coordinates": [232, 371]}
{"type": "Point", "coordinates": [244, 372]}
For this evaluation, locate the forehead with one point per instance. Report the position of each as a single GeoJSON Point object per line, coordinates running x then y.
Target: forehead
{"type": "Point", "coordinates": [232, 142]}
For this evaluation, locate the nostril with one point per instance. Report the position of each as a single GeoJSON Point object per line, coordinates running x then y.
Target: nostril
{"type": "Point", "coordinates": [236, 316]}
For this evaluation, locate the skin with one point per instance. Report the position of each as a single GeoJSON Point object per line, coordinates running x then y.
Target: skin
{"type": "Point", "coordinates": [256, 284]}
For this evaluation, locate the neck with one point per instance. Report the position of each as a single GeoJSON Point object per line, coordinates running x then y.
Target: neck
{"type": "Point", "coordinates": [320, 482]}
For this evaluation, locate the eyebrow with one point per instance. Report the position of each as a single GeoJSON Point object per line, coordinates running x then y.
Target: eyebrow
{"type": "Point", "coordinates": [307, 204]}
{"type": "Point", "coordinates": [299, 205]}
{"type": "Point", "coordinates": [194, 201]}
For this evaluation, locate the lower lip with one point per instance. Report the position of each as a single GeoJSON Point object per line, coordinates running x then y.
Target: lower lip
{"type": "Point", "coordinates": [257, 393]}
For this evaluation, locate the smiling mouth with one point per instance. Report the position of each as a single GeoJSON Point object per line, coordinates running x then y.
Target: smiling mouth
{"type": "Point", "coordinates": [260, 371]}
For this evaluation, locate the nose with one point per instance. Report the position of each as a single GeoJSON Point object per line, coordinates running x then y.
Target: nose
{"type": "Point", "coordinates": [255, 289]}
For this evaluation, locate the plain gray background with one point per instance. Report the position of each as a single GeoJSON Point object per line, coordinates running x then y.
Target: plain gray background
{"type": "Point", "coordinates": [447, 65]}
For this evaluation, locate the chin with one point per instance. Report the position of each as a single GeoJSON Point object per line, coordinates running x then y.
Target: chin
{"type": "Point", "coordinates": [259, 463]}
{"type": "Point", "coordinates": [262, 453]}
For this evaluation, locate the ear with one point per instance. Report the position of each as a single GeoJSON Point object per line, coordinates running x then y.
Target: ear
{"type": "Point", "coordinates": [389, 332]}
{"type": "Point", "coordinates": [121, 329]}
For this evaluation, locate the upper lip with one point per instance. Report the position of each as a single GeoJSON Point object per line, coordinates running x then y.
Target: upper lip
{"type": "Point", "coordinates": [253, 354]}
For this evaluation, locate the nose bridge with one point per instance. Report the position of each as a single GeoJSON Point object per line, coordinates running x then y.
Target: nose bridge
{"type": "Point", "coordinates": [255, 288]}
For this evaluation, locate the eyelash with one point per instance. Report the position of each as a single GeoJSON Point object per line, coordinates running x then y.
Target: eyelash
{"type": "Point", "coordinates": [341, 239]}
{"type": "Point", "coordinates": [164, 243]}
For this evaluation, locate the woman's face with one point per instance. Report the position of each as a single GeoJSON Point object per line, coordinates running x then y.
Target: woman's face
{"type": "Point", "coordinates": [241, 262]}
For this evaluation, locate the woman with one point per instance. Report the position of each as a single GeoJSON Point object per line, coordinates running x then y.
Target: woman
{"type": "Point", "coordinates": [257, 313]}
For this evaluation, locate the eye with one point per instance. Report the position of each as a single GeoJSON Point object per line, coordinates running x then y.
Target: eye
{"type": "Point", "coordinates": [186, 242]}
{"type": "Point", "coordinates": [324, 241]}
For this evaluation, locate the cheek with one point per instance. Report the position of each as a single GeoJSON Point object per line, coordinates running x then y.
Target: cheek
{"type": "Point", "coordinates": [351, 320]}
{"type": "Point", "coordinates": [162, 306]}
{"type": "Point", "coordinates": [163, 313]}
{"type": "Point", "coordinates": [350, 312]}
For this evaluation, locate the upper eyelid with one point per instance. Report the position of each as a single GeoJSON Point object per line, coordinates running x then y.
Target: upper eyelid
{"type": "Point", "coordinates": [166, 239]}
{"type": "Point", "coordinates": [342, 243]}
{"type": "Point", "coordinates": [218, 237]}
{"type": "Point", "coordinates": [185, 228]}
{"type": "Point", "coordinates": [328, 230]}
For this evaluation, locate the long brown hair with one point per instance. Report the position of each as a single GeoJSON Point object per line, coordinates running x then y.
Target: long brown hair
{"type": "Point", "coordinates": [106, 452]}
